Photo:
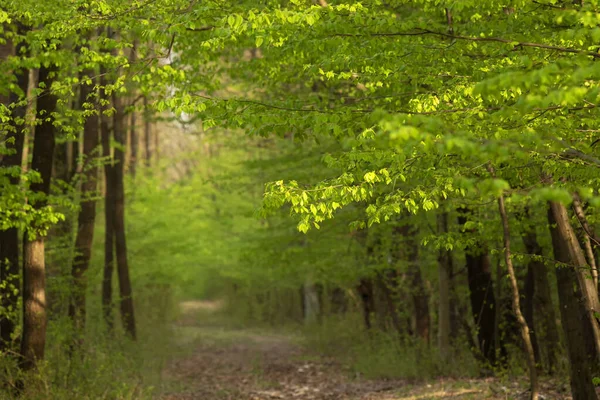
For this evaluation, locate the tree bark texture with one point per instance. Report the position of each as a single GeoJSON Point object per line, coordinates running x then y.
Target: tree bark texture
{"type": "Point", "coordinates": [538, 306]}
{"type": "Point", "coordinates": [575, 323]}
{"type": "Point", "coordinates": [87, 214]}
{"type": "Point", "coordinates": [581, 268]}
{"type": "Point", "coordinates": [33, 337]}
{"type": "Point", "coordinates": [483, 301]}
{"type": "Point", "coordinates": [125, 290]}
{"type": "Point", "coordinates": [109, 204]}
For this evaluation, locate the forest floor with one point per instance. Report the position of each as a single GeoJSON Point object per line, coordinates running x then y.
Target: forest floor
{"type": "Point", "coordinates": [221, 362]}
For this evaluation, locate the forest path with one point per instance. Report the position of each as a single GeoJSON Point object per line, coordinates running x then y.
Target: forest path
{"type": "Point", "coordinates": [222, 362]}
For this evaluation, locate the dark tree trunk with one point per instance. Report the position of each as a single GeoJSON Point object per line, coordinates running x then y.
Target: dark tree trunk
{"type": "Point", "coordinates": [109, 241]}
{"type": "Point", "coordinates": [528, 311]}
{"type": "Point", "coordinates": [87, 213]}
{"type": "Point", "coordinates": [483, 301]}
{"type": "Point", "coordinates": [418, 292]}
{"type": "Point", "coordinates": [9, 238]}
{"type": "Point", "coordinates": [133, 138]}
{"type": "Point", "coordinates": [574, 319]}
{"type": "Point", "coordinates": [125, 291]}
{"type": "Point", "coordinates": [33, 338]}
{"type": "Point", "coordinates": [134, 145]}
{"type": "Point", "coordinates": [538, 302]}
{"type": "Point", "coordinates": [389, 287]}
{"type": "Point", "coordinates": [444, 286]}
{"type": "Point", "coordinates": [365, 291]}
{"type": "Point", "coordinates": [147, 133]}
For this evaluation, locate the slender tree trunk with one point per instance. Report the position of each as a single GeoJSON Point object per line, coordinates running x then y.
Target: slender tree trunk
{"type": "Point", "coordinates": [33, 337]}
{"type": "Point", "coordinates": [516, 301]}
{"type": "Point", "coordinates": [574, 319]}
{"type": "Point", "coordinates": [134, 145]}
{"type": "Point", "coordinates": [87, 214]}
{"type": "Point", "coordinates": [483, 301]}
{"type": "Point", "coordinates": [587, 236]}
{"type": "Point", "coordinates": [147, 133]}
{"type": "Point", "coordinates": [133, 134]}
{"type": "Point", "coordinates": [444, 303]}
{"type": "Point", "coordinates": [9, 238]}
{"type": "Point", "coordinates": [109, 204]}
{"type": "Point", "coordinates": [312, 305]}
{"type": "Point", "coordinates": [418, 292]}
{"type": "Point", "coordinates": [126, 299]}
{"type": "Point", "coordinates": [529, 311]}
{"type": "Point", "coordinates": [539, 308]}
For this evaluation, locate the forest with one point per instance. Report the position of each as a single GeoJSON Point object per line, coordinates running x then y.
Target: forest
{"type": "Point", "coordinates": [300, 199]}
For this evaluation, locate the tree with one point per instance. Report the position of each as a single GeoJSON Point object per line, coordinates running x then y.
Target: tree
{"type": "Point", "coordinates": [9, 235]}
{"type": "Point", "coordinates": [33, 338]}
{"type": "Point", "coordinates": [87, 215]}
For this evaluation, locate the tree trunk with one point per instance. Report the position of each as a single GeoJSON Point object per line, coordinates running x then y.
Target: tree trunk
{"type": "Point", "coordinates": [87, 213]}
{"type": "Point", "coordinates": [586, 284]}
{"type": "Point", "coordinates": [109, 202]}
{"type": "Point", "coordinates": [133, 134]}
{"type": "Point", "coordinates": [147, 133]}
{"type": "Point", "coordinates": [389, 288]}
{"type": "Point", "coordinates": [483, 301]}
{"type": "Point", "coordinates": [134, 145]}
{"type": "Point", "coordinates": [539, 303]}
{"type": "Point", "coordinates": [574, 319]}
{"type": "Point", "coordinates": [311, 303]}
{"type": "Point", "coordinates": [125, 291]}
{"type": "Point", "coordinates": [516, 300]}
{"type": "Point", "coordinates": [418, 292]}
{"type": "Point", "coordinates": [444, 302]}
{"type": "Point", "coordinates": [9, 238]}
{"type": "Point", "coordinates": [33, 338]}
{"type": "Point", "coordinates": [365, 290]}
{"type": "Point", "coordinates": [587, 237]}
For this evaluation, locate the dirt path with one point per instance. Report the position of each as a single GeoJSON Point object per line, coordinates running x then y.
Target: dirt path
{"type": "Point", "coordinates": [222, 363]}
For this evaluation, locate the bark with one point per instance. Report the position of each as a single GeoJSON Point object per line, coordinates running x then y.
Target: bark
{"type": "Point", "coordinates": [133, 134]}
{"type": "Point", "coordinates": [587, 237]}
{"type": "Point", "coordinates": [444, 303]}
{"type": "Point", "coordinates": [574, 318]}
{"type": "Point", "coordinates": [87, 213]}
{"type": "Point", "coordinates": [9, 238]}
{"type": "Point", "coordinates": [147, 133]}
{"type": "Point", "coordinates": [483, 301]}
{"type": "Point", "coordinates": [586, 284]}
{"type": "Point", "coordinates": [33, 337]}
{"type": "Point", "coordinates": [134, 145]}
{"type": "Point", "coordinates": [365, 290]}
{"type": "Point", "coordinates": [529, 312]}
{"type": "Point", "coordinates": [388, 286]}
{"type": "Point", "coordinates": [109, 241]}
{"type": "Point", "coordinates": [419, 293]}
{"type": "Point", "coordinates": [538, 308]}
{"type": "Point", "coordinates": [534, 395]}
{"type": "Point", "coordinates": [125, 291]}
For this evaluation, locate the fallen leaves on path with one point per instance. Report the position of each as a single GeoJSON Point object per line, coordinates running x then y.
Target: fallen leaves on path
{"type": "Point", "coordinates": [237, 364]}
